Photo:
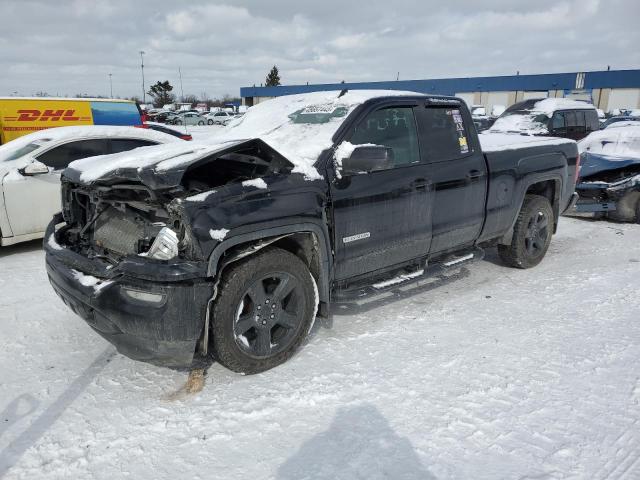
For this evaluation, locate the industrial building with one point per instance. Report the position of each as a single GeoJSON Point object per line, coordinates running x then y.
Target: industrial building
{"type": "Point", "coordinates": [608, 90]}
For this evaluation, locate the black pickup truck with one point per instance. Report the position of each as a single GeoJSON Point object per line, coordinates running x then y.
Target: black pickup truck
{"type": "Point", "coordinates": [229, 249]}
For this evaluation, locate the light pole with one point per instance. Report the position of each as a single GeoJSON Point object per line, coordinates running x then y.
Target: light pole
{"type": "Point", "coordinates": [110, 85]}
{"type": "Point", "coordinates": [144, 95]}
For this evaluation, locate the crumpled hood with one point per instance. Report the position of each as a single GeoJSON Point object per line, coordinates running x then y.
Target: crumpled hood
{"type": "Point", "coordinates": [594, 163]}
{"type": "Point", "coordinates": [157, 167]}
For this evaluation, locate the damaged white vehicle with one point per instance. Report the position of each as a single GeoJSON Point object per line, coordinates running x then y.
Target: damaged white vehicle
{"type": "Point", "coordinates": [30, 168]}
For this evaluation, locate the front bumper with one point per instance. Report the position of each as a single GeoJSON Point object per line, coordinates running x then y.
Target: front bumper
{"type": "Point", "coordinates": [159, 323]}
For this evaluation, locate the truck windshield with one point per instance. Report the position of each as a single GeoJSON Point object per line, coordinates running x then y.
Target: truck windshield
{"type": "Point", "coordinates": [526, 121]}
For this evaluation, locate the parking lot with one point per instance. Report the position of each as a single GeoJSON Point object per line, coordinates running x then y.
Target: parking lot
{"type": "Point", "coordinates": [492, 373]}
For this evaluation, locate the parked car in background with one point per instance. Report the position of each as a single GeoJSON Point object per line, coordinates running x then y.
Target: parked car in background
{"type": "Point", "coordinates": [21, 116]}
{"type": "Point", "coordinates": [551, 117]}
{"type": "Point", "coordinates": [30, 171]}
{"type": "Point", "coordinates": [158, 127]}
{"type": "Point", "coordinates": [609, 184]}
{"type": "Point", "coordinates": [189, 118]}
{"type": "Point", "coordinates": [220, 118]}
{"type": "Point", "coordinates": [232, 247]}
{"type": "Point", "coordinates": [620, 118]}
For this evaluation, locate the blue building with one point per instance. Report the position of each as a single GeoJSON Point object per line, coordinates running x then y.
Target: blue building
{"type": "Point", "coordinates": [608, 90]}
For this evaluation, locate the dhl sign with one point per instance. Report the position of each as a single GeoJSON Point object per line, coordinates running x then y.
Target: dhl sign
{"type": "Point", "coordinates": [68, 115]}
{"type": "Point", "coordinates": [21, 116]}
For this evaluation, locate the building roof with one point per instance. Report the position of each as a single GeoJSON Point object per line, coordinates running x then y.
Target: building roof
{"type": "Point", "coordinates": [452, 86]}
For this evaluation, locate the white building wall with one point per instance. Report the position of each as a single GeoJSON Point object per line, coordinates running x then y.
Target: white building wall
{"type": "Point", "coordinates": [623, 98]}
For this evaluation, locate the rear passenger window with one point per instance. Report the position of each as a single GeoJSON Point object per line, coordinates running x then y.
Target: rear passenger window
{"type": "Point", "coordinates": [124, 144]}
{"type": "Point", "coordinates": [580, 122]}
{"type": "Point", "coordinates": [591, 117]}
{"type": "Point", "coordinates": [444, 134]}
{"type": "Point", "coordinates": [59, 158]}
{"type": "Point", "coordinates": [557, 121]}
{"type": "Point", "coordinates": [394, 128]}
{"type": "Point", "coordinates": [572, 120]}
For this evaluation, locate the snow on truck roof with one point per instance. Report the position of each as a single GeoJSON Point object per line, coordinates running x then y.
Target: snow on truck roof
{"type": "Point", "coordinates": [299, 127]}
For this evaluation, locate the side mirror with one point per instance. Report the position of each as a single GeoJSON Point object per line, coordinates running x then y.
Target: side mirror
{"type": "Point", "coordinates": [368, 158]}
{"type": "Point", "coordinates": [34, 168]}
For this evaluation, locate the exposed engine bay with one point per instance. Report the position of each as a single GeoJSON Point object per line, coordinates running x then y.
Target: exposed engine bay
{"type": "Point", "coordinates": [109, 221]}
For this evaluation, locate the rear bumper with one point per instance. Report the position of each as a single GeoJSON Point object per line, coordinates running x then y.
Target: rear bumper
{"type": "Point", "coordinates": [158, 322]}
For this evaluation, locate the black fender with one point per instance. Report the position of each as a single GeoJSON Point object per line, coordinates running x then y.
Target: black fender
{"type": "Point", "coordinates": [318, 230]}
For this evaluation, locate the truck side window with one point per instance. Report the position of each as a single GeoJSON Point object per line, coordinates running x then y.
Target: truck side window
{"type": "Point", "coordinates": [572, 121]}
{"type": "Point", "coordinates": [59, 157]}
{"type": "Point", "coordinates": [392, 127]}
{"type": "Point", "coordinates": [557, 122]}
{"type": "Point", "coordinates": [580, 121]}
{"type": "Point", "coordinates": [591, 117]}
{"type": "Point", "coordinates": [445, 134]}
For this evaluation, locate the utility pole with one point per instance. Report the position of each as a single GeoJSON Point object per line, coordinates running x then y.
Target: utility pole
{"type": "Point", "coordinates": [181, 89]}
{"type": "Point", "coordinates": [110, 85]}
{"type": "Point", "coordinates": [144, 94]}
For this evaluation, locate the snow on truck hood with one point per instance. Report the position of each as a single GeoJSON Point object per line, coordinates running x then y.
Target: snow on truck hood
{"type": "Point", "coordinates": [299, 127]}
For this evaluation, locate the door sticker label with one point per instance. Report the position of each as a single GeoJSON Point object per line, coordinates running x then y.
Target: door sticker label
{"type": "Point", "coordinates": [353, 238]}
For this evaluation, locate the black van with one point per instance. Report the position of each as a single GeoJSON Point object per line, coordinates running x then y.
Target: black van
{"type": "Point", "coordinates": [549, 117]}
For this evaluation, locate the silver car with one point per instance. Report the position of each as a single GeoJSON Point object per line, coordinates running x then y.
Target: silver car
{"type": "Point", "coordinates": [189, 118]}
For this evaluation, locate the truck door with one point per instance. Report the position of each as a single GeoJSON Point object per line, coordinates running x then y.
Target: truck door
{"type": "Point", "coordinates": [459, 173]}
{"type": "Point", "coordinates": [383, 217]}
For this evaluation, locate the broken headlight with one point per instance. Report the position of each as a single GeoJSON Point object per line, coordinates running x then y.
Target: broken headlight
{"type": "Point", "coordinates": [165, 246]}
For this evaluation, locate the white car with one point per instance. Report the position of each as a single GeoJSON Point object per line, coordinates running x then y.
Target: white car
{"type": "Point", "coordinates": [30, 168]}
{"type": "Point", "coordinates": [220, 118]}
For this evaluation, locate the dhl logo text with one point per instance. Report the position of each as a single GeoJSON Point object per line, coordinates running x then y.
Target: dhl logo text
{"type": "Point", "coordinates": [64, 115]}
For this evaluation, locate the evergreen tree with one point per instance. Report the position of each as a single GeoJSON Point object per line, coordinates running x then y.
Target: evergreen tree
{"type": "Point", "coordinates": [273, 78]}
{"type": "Point", "coordinates": [161, 93]}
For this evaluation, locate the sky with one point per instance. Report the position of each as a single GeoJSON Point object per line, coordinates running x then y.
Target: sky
{"type": "Point", "coordinates": [69, 47]}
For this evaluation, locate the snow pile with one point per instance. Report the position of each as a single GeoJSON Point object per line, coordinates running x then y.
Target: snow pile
{"type": "Point", "coordinates": [219, 234]}
{"type": "Point", "coordinates": [255, 182]}
{"type": "Point", "coordinates": [281, 123]}
{"type": "Point", "coordinates": [496, 142]}
{"type": "Point", "coordinates": [621, 142]}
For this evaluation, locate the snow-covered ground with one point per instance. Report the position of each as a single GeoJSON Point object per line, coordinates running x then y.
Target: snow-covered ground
{"type": "Point", "coordinates": [495, 373]}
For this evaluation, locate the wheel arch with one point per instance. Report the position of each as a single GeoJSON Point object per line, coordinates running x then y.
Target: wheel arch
{"type": "Point", "coordinates": [550, 187]}
{"type": "Point", "coordinates": [308, 241]}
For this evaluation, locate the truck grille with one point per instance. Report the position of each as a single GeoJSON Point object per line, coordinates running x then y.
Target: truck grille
{"type": "Point", "coordinates": [117, 232]}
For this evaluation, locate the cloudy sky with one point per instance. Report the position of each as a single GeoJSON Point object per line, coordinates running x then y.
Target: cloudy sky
{"type": "Point", "coordinates": [67, 47]}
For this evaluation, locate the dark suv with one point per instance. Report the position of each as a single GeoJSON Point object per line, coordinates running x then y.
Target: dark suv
{"type": "Point", "coordinates": [550, 117]}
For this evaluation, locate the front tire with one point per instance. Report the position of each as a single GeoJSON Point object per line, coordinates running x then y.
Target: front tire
{"type": "Point", "coordinates": [200, 122]}
{"type": "Point", "coordinates": [531, 235]}
{"type": "Point", "coordinates": [264, 311]}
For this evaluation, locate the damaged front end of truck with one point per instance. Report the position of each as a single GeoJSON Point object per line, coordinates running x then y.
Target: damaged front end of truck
{"type": "Point", "coordinates": [128, 252]}
{"type": "Point", "coordinates": [609, 186]}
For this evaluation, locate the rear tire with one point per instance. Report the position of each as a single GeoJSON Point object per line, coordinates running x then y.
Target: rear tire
{"type": "Point", "coordinates": [264, 311]}
{"type": "Point", "coordinates": [178, 122]}
{"type": "Point", "coordinates": [638, 211]}
{"type": "Point", "coordinates": [531, 235]}
{"type": "Point", "coordinates": [209, 122]}
{"type": "Point", "coordinates": [200, 122]}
